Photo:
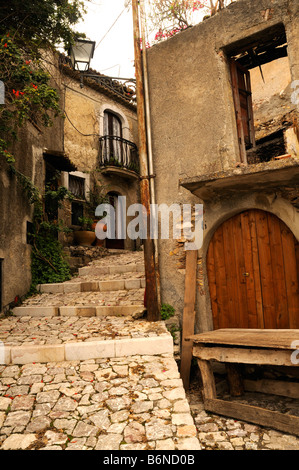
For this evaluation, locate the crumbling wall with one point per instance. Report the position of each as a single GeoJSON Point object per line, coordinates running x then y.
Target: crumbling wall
{"type": "Point", "coordinates": [193, 117]}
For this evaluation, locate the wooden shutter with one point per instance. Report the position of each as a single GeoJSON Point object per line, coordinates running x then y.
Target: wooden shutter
{"type": "Point", "coordinates": [243, 105]}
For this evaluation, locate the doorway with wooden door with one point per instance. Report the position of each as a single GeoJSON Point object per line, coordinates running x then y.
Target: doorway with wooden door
{"type": "Point", "coordinates": [253, 271]}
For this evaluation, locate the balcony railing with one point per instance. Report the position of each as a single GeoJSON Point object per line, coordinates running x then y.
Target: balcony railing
{"type": "Point", "coordinates": [118, 153]}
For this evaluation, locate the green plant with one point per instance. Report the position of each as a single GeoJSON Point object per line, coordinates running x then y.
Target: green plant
{"type": "Point", "coordinates": [97, 195]}
{"type": "Point", "coordinates": [167, 311]}
{"type": "Point", "coordinates": [85, 223]}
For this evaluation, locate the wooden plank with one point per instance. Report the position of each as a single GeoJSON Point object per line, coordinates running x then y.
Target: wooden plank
{"type": "Point", "coordinates": [274, 357]}
{"type": "Point", "coordinates": [252, 317]}
{"type": "Point", "coordinates": [212, 284]}
{"type": "Point", "coordinates": [221, 280]}
{"type": "Point", "coordinates": [231, 274]}
{"type": "Point", "coordinates": [273, 387]}
{"type": "Point", "coordinates": [265, 269]}
{"type": "Point", "coordinates": [277, 260]}
{"type": "Point", "coordinates": [256, 270]}
{"type": "Point", "coordinates": [291, 275]}
{"type": "Point", "coordinates": [208, 380]}
{"type": "Point", "coordinates": [278, 339]}
{"type": "Point", "coordinates": [242, 321]}
{"type": "Point", "coordinates": [254, 414]}
{"type": "Point", "coordinates": [188, 315]}
{"type": "Point", "coordinates": [234, 377]}
{"type": "Point", "coordinates": [236, 96]}
{"type": "Point", "coordinates": [250, 109]}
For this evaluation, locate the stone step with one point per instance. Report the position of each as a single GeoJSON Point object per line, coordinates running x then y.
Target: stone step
{"type": "Point", "coordinates": [116, 269]}
{"type": "Point", "coordinates": [92, 286]}
{"type": "Point", "coordinates": [81, 351]}
{"type": "Point", "coordinates": [78, 311]}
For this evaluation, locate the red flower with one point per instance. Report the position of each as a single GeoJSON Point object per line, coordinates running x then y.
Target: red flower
{"type": "Point", "coordinates": [5, 45]}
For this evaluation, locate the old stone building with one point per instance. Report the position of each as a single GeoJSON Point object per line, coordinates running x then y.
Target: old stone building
{"type": "Point", "coordinates": [94, 145]}
{"type": "Point", "coordinates": [100, 136]}
{"type": "Point", "coordinates": [224, 111]}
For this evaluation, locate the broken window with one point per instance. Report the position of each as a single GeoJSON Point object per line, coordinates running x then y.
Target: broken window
{"type": "Point", "coordinates": [261, 85]}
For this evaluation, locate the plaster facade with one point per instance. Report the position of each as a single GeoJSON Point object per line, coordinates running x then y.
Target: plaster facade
{"type": "Point", "coordinates": [195, 133]}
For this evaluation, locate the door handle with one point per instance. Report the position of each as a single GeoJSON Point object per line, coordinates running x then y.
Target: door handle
{"type": "Point", "coordinates": [246, 274]}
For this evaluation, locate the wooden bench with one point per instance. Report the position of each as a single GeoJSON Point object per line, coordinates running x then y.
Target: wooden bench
{"type": "Point", "coordinates": [241, 346]}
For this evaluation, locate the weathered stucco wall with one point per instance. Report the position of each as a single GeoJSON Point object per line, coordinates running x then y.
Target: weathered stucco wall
{"type": "Point", "coordinates": [84, 126]}
{"type": "Point", "coordinates": [194, 126]}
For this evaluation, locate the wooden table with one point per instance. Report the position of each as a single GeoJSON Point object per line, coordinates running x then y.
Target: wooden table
{"type": "Point", "coordinates": [241, 346]}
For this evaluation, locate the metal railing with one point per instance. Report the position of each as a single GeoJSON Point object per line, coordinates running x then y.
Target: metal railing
{"type": "Point", "coordinates": [118, 152]}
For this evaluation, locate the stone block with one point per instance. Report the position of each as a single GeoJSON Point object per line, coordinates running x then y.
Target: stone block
{"type": "Point", "coordinates": [111, 285]}
{"type": "Point", "coordinates": [118, 310]}
{"type": "Point", "coordinates": [5, 355]}
{"type": "Point", "coordinates": [31, 311]}
{"type": "Point", "coordinates": [37, 353]}
{"type": "Point", "coordinates": [142, 283]}
{"type": "Point", "coordinates": [132, 284]}
{"type": "Point", "coordinates": [72, 287]}
{"type": "Point", "coordinates": [89, 350]}
{"type": "Point", "coordinates": [120, 269]}
{"type": "Point", "coordinates": [51, 288]}
{"type": "Point", "coordinates": [85, 311]}
{"type": "Point", "coordinates": [139, 268]}
{"type": "Point", "coordinates": [68, 311]}
{"type": "Point", "coordinates": [145, 346]}
{"type": "Point", "coordinates": [92, 286]}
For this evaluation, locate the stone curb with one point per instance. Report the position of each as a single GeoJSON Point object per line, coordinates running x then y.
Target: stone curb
{"type": "Point", "coordinates": [80, 351]}
{"type": "Point", "coordinates": [78, 311]}
{"type": "Point", "coordinates": [92, 286]}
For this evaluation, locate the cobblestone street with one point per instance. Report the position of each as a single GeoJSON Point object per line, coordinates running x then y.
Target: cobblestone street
{"type": "Point", "coordinates": [131, 401]}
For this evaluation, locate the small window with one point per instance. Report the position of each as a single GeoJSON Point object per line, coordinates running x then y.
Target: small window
{"type": "Point", "coordinates": [77, 186]}
{"type": "Point", "coordinates": [77, 212]}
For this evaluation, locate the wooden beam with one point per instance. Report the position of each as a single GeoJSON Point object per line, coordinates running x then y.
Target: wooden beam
{"type": "Point", "coordinates": [254, 414]}
{"type": "Point", "coordinates": [208, 380]}
{"type": "Point", "coordinates": [188, 315]}
{"type": "Point", "coordinates": [243, 356]}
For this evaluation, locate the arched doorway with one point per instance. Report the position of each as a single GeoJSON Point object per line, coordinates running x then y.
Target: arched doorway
{"type": "Point", "coordinates": [253, 266]}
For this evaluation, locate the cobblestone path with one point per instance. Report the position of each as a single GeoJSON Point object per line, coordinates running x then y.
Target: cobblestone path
{"type": "Point", "coordinates": [127, 402]}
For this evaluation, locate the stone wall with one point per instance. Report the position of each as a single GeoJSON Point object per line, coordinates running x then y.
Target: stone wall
{"type": "Point", "coordinates": [194, 126]}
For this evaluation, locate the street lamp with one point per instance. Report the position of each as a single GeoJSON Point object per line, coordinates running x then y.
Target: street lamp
{"type": "Point", "coordinates": [81, 54]}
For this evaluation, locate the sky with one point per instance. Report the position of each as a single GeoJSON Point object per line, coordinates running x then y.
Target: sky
{"type": "Point", "coordinates": [114, 53]}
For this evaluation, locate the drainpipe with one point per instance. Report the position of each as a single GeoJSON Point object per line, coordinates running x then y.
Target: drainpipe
{"type": "Point", "coordinates": [153, 308]}
{"type": "Point", "coordinates": [149, 139]}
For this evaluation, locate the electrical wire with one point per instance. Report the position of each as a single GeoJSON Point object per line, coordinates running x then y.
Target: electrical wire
{"type": "Point", "coordinates": [110, 28]}
{"type": "Point", "coordinates": [84, 135]}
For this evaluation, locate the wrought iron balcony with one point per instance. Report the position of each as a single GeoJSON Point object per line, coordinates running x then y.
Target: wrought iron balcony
{"type": "Point", "coordinates": [118, 155]}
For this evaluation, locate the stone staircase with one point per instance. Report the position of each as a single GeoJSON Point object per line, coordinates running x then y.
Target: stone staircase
{"type": "Point", "coordinates": [82, 369]}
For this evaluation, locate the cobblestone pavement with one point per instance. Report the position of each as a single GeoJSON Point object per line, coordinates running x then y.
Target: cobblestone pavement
{"type": "Point", "coordinates": [221, 433]}
{"type": "Point", "coordinates": [27, 330]}
{"type": "Point", "coordinates": [133, 403]}
{"type": "Point", "coordinates": [125, 403]}
{"type": "Point", "coordinates": [110, 298]}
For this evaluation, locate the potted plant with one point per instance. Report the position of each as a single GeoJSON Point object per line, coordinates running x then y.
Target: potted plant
{"type": "Point", "coordinates": [96, 197]}
{"type": "Point", "coordinates": [85, 236]}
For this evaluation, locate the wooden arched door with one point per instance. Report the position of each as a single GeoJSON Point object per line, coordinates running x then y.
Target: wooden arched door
{"type": "Point", "coordinates": [253, 266]}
